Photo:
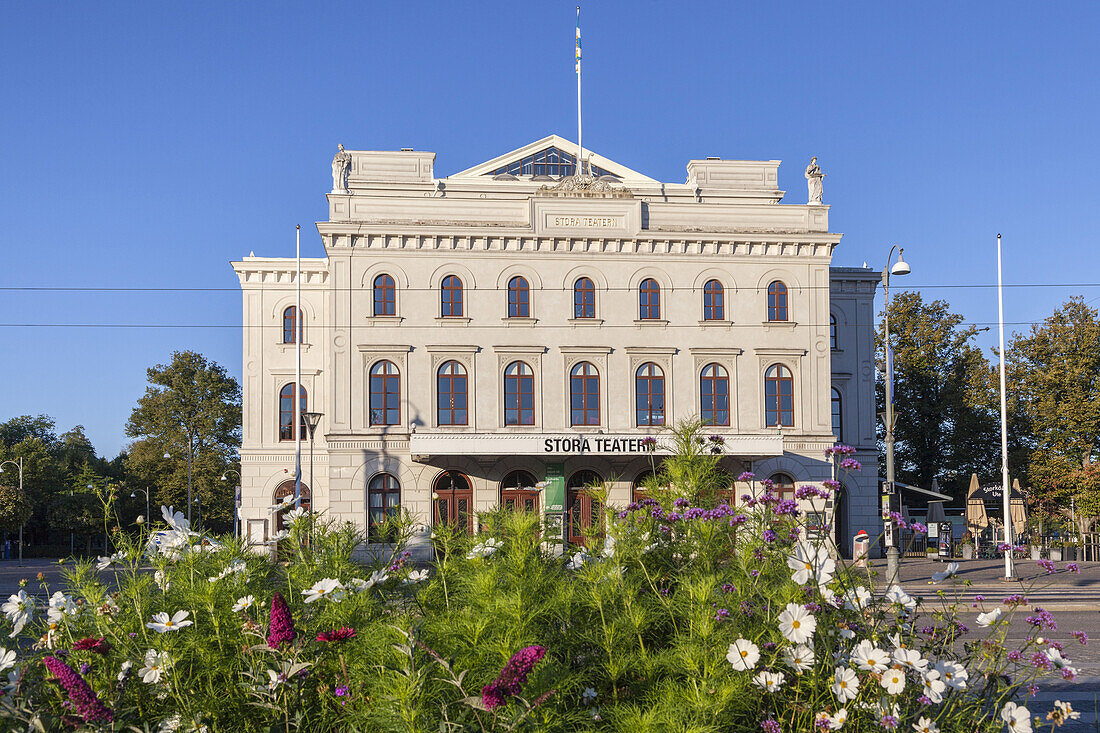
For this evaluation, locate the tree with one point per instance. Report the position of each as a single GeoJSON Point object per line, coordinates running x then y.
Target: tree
{"type": "Point", "coordinates": [1056, 372]}
{"type": "Point", "coordinates": [15, 510]}
{"type": "Point", "coordinates": [944, 392]}
{"type": "Point", "coordinates": [191, 405]}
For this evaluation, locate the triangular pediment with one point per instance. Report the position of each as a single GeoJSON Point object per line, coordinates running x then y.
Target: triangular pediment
{"type": "Point", "coordinates": [553, 156]}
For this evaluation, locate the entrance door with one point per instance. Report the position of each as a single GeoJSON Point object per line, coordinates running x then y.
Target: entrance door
{"type": "Point", "coordinates": [453, 500]}
{"type": "Point", "coordinates": [284, 490]}
{"type": "Point", "coordinates": [517, 491]}
{"type": "Point", "coordinates": [584, 509]}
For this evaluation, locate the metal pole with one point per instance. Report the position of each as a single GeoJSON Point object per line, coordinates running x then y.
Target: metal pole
{"type": "Point", "coordinates": [72, 535]}
{"type": "Point", "coordinates": [23, 496]}
{"type": "Point", "coordinates": [891, 551]}
{"type": "Point", "coordinates": [298, 370]}
{"type": "Point", "coordinates": [580, 139]}
{"type": "Point", "coordinates": [1009, 570]}
{"type": "Point", "coordinates": [189, 442]}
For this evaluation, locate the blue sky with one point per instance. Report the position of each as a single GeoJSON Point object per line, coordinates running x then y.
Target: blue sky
{"type": "Point", "coordinates": [147, 145]}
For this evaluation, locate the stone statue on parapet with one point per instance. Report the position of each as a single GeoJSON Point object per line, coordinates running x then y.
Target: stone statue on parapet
{"type": "Point", "coordinates": [814, 178]}
{"type": "Point", "coordinates": [341, 164]}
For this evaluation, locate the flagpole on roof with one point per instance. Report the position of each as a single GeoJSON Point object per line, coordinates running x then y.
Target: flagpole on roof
{"type": "Point", "coordinates": [298, 371]}
{"type": "Point", "coordinates": [580, 140]}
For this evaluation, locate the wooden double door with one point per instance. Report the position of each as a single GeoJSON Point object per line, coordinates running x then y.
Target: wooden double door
{"type": "Point", "coordinates": [585, 511]}
{"type": "Point", "coordinates": [453, 500]}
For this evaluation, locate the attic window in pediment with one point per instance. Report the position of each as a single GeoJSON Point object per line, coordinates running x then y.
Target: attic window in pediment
{"type": "Point", "coordinates": [549, 162]}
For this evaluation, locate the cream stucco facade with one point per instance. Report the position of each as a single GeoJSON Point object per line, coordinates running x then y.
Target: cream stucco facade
{"type": "Point", "coordinates": [638, 241]}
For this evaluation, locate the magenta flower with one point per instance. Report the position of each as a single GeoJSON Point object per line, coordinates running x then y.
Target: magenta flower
{"type": "Point", "coordinates": [511, 679]}
{"type": "Point", "coordinates": [83, 700]}
{"type": "Point", "coordinates": [99, 646]}
{"type": "Point", "coordinates": [281, 625]}
{"type": "Point", "coordinates": [337, 634]}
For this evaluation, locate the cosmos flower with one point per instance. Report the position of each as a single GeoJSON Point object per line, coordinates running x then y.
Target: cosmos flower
{"type": "Point", "coordinates": [162, 623]}
{"type": "Point", "coordinates": [845, 684]}
{"type": "Point", "coordinates": [1016, 717]}
{"type": "Point", "coordinates": [329, 588]}
{"type": "Point", "coordinates": [797, 624]}
{"type": "Point", "coordinates": [743, 655]}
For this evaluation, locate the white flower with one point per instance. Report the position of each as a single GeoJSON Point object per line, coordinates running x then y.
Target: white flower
{"type": "Point", "coordinates": [175, 520]}
{"type": "Point", "coordinates": [1017, 717]}
{"type": "Point", "coordinates": [896, 595]}
{"type": "Point", "coordinates": [910, 658]}
{"type": "Point", "coordinates": [105, 562]}
{"type": "Point", "coordinates": [377, 578]}
{"type": "Point", "coordinates": [162, 623]}
{"type": "Point", "coordinates": [868, 657]}
{"type": "Point", "coordinates": [295, 515]}
{"type": "Point", "coordinates": [893, 681]}
{"type": "Point", "coordinates": [769, 681]}
{"type": "Point", "coordinates": [162, 581]}
{"type": "Point", "coordinates": [124, 671]}
{"type": "Point", "coordinates": [577, 561]}
{"type": "Point", "coordinates": [799, 658]}
{"type": "Point", "coordinates": [588, 695]}
{"type": "Point", "coordinates": [743, 655]}
{"type": "Point", "coordinates": [170, 724]}
{"type": "Point", "coordinates": [237, 566]}
{"type": "Point", "coordinates": [276, 508]}
{"type": "Point", "coordinates": [953, 674]}
{"type": "Point", "coordinates": [858, 599]}
{"type": "Point", "coordinates": [19, 609]}
{"type": "Point", "coordinates": [933, 686]}
{"type": "Point", "coordinates": [846, 633]}
{"type": "Point", "coordinates": [924, 725]}
{"type": "Point", "coordinates": [7, 658]}
{"type": "Point", "coordinates": [1066, 710]}
{"type": "Point", "coordinates": [811, 563]}
{"type": "Point", "coordinates": [60, 606]}
{"type": "Point", "coordinates": [845, 684]}
{"type": "Point", "coordinates": [156, 666]}
{"type": "Point", "coordinates": [357, 585]}
{"type": "Point", "coordinates": [797, 624]}
{"type": "Point", "coordinates": [275, 678]}
{"type": "Point", "coordinates": [279, 536]}
{"type": "Point", "coordinates": [484, 549]}
{"type": "Point", "coordinates": [1056, 658]}
{"type": "Point", "coordinates": [988, 619]}
{"type": "Point", "coordinates": [840, 717]}
{"type": "Point", "coordinates": [416, 576]}
{"type": "Point", "coordinates": [951, 571]}
{"type": "Point", "coordinates": [329, 588]}
{"type": "Point", "coordinates": [244, 602]}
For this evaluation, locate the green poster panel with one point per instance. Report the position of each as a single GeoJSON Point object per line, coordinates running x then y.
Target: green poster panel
{"type": "Point", "coordinates": [554, 494]}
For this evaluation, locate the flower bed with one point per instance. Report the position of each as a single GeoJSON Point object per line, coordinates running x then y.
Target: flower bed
{"type": "Point", "coordinates": [683, 613]}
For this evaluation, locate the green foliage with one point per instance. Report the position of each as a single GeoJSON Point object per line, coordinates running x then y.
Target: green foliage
{"type": "Point", "coordinates": [15, 508]}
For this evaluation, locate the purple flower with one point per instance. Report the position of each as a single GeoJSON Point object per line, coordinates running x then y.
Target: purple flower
{"type": "Point", "coordinates": [99, 646]}
{"type": "Point", "coordinates": [746, 476]}
{"type": "Point", "coordinates": [979, 598]}
{"type": "Point", "coordinates": [341, 690]}
{"type": "Point", "coordinates": [851, 464]}
{"type": "Point", "coordinates": [924, 700]}
{"type": "Point", "coordinates": [85, 668]}
{"type": "Point", "coordinates": [770, 535]}
{"type": "Point", "coordinates": [342, 634]}
{"type": "Point", "coordinates": [1042, 619]}
{"type": "Point", "coordinates": [889, 722]}
{"type": "Point", "coordinates": [746, 608]}
{"type": "Point", "coordinates": [1015, 655]}
{"type": "Point", "coordinates": [1015, 600]}
{"type": "Point", "coordinates": [1073, 567]}
{"type": "Point", "coordinates": [722, 615]}
{"type": "Point", "coordinates": [1069, 674]}
{"type": "Point", "coordinates": [680, 502]}
{"type": "Point", "coordinates": [731, 588]}
{"type": "Point", "coordinates": [81, 698]}
{"type": "Point", "coordinates": [1081, 636]}
{"type": "Point", "coordinates": [510, 681]}
{"type": "Point", "coordinates": [281, 624]}
{"type": "Point", "coordinates": [1047, 565]}
{"type": "Point", "coordinates": [1040, 661]}
{"type": "Point", "coordinates": [768, 646]}
{"type": "Point", "coordinates": [771, 726]}
{"type": "Point", "coordinates": [1032, 690]}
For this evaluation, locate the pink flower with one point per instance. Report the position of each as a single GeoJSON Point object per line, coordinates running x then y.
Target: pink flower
{"type": "Point", "coordinates": [83, 700]}
{"type": "Point", "coordinates": [337, 634]}
{"type": "Point", "coordinates": [281, 625]}
{"type": "Point", "coordinates": [99, 646]}
{"type": "Point", "coordinates": [511, 679]}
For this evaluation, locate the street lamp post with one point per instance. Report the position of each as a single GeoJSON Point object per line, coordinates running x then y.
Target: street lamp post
{"type": "Point", "coordinates": [312, 420]}
{"type": "Point", "coordinates": [146, 492]}
{"type": "Point", "coordinates": [19, 465]}
{"type": "Point", "coordinates": [236, 501]}
{"type": "Point", "coordinates": [900, 268]}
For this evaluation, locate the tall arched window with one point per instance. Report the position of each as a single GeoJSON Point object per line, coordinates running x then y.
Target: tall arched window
{"type": "Point", "coordinates": [649, 300]}
{"type": "Point", "coordinates": [519, 298]}
{"type": "Point", "coordinates": [777, 301]}
{"type": "Point", "coordinates": [383, 503]}
{"type": "Point", "coordinates": [778, 397]}
{"type": "Point", "coordinates": [639, 489]}
{"type": "Point", "coordinates": [584, 395]}
{"type": "Point", "coordinates": [286, 412]}
{"type": "Point", "coordinates": [838, 416]}
{"type": "Point", "coordinates": [385, 296]}
{"type": "Point", "coordinates": [452, 500]}
{"type": "Point", "coordinates": [714, 389]}
{"type": "Point", "coordinates": [290, 317]}
{"type": "Point", "coordinates": [649, 395]}
{"type": "Point", "coordinates": [832, 331]}
{"type": "Point", "coordinates": [519, 394]}
{"type": "Point", "coordinates": [451, 394]}
{"type": "Point", "coordinates": [385, 394]}
{"type": "Point", "coordinates": [714, 301]}
{"type": "Point", "coordinates": [584, 298]}
{"type": "Point", "coordinates": [783, 486]}
{"type": "Point", "coordinates": [518, 491]}
{"type": "Point", "coordinates": [282, 491]}
{"type": "Point", "coordinates": [451, 293]}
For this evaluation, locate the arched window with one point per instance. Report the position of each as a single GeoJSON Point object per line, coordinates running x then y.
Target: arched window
{"type": "Point", "coordinates": [649, 395]}
{"type": "Point", "coordinates": [518, 491]}
{"type": "Point", "coordinates": [519, 298]}
{"type": "Point", "coordinates": [451, 394]}
{"type": "Point", "coordinates": [383, 503]}
{"type": "Point", "coordinates": [714, 389]}
{"type": "Point", "coordinates": [584, 395]}
{"type": "Point", "coordinates": [290, 317]}
{"type": "Point", "coordinates": [452, 296]}
{"type": "Point", "coordinates": [832, 331]}
{"type": "Point", "coordinates": [385, 394]}
{"type": "Point", "coordinates": [777, 301]}
{"type": "Point", "coordinates": [783, 486]}
{"type": "Point", "coordinates": [286, 412]}
{"type": "Point", "coordinates": [584, 299]}
{"type": "Point", "coordinates": [583, 508]}
{"type": "Point", "coordinates": [639, 489]}
{"type": "Point", "coordinates": [385, 296]}
{"type": "Point", "coordinates": [282, 491]}
{"type": "Point", "coordinates": [649, 300]}
{"type": "Point", "coordinates": [452, 500]}
{"type": "Point", "coordinates": [838, 419]}
{"type": "Point", "coordinates": [519, 394]}
{"type": "Point", "coordinates": [714, 301]}
{"type": "Point", "coordinates": [778, 397]}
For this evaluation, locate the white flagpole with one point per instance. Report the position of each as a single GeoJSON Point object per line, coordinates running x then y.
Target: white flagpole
{"type": "Point", "coordinates": [580, 140]}
{"type": "Point", "coordinates": [298, 374]}
{"type": "Point", "coordinates": [1009, 571]}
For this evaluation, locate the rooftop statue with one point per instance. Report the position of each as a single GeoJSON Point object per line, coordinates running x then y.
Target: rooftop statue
{"type": "Point", "coordinates": [814, 177]}
{"type": "Point", "coordinates": [341, 163]}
